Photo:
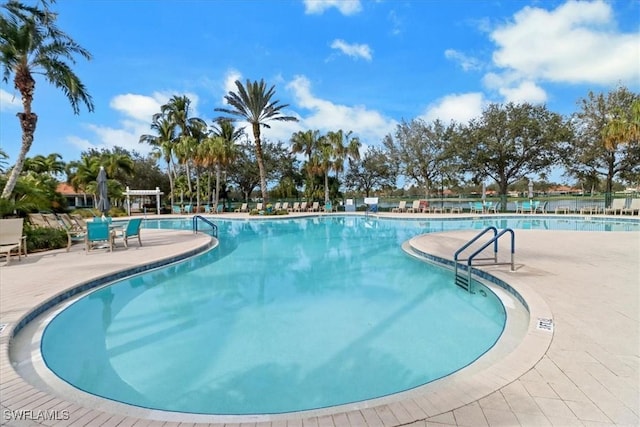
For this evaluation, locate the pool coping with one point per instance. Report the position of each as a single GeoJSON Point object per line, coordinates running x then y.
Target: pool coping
{"type": "Point", "coordinates": [402, 408]}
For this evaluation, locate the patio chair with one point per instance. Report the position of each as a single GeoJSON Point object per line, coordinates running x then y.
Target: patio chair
{"type": "Point", "coordinates": [476, 207]}
{"type": "Point", "coordinates": [285, 206]}
{"type": "Point", "coordinates": [259, 206]}
{"type": "Point", "coordinates": [491, 207]}
{"type": "Point", "coordinates": [175, 209]}
{"type": "Point", "coordinates": [98, 232]}
{"type": "Point", "coordinates": [302, 207]}
{"type": "Point", "coordinates": [402, 207]}
{"type": "Point", "coordinates": [315, 207]}
{"type": "Point", "coordinates": [328, 207]}
{"type": "Point", "coordinates": [633, 207]}
{"type": "Point", "coordinates": [617, 205]}
{"type": "Point", "coordinates": [188, 209]}
{"type": "Point", "coordinates": [415, 207]}
{"type": "Point", "coordinates": [277, 206]}
{"type": "Point", "coordinates": [132, 229]}
{"type": "Point", "coordinates": [539, 207]}
{"type": "Point", "coordinates": [295, 207]}
{"type": "Point", "coordinates": [74, 234]}
{"type": "Point", "coordinates": [243, 208]}
{"type": "Point", "coordinates": [11, 237]}
{"type": "Point", "coordinates": [37, 220]}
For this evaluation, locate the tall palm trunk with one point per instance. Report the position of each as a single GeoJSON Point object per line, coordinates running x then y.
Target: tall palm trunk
{"type": "Point", "coordinates": [217, 185]}
{"type": "Point", "coordinates": [326, 186]}
{"type": "Point", "coordinates": [263, 178]}
{"type": "Point", "coordinates": [25, 84]}
{"type": "Point", "coordinates": [170, 182]}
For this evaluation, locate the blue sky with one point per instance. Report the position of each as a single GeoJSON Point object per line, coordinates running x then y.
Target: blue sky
{"type": "Point", "coordinates": [339, 64]}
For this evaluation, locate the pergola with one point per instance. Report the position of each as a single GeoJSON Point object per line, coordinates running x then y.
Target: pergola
{"type": "Point", "coordinates": [138, 193]}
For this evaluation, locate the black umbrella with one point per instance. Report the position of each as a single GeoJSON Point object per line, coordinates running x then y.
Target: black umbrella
{"type": "Point", "coordinates": [103, 197]}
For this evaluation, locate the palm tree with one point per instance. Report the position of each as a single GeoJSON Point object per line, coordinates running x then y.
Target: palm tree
{"type": "Point", "coordinates": [253, 103]}
{"type": "Point", "coordinates": [51, 164]}
{"type": "Point", "coordinates": [340, 151]}
{"type": "Point", "coordinates": [307, 142]}
{"type": "Point", "coordinates": [117, 165]}
{"type": "Point", "coordinates": [623, 128]}
{"type": "Point", "coordinates": [31, 43]}
{"type": "Point", "coordinates": [190, 130]}
{"type": "Point", "coordinates": [162, 144]}
{"type": "Point", "coordinates": [81, 173]}
{"type": "Point", "coordinates": [3, 163]}
{"type": "Point", "coordinates": [225, 149]}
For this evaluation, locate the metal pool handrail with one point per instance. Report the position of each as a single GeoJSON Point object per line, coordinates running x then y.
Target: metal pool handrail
{"type": "Point", "coordinates": [214, 227]}
{"type": "Point", "coordinates": [465, 282]}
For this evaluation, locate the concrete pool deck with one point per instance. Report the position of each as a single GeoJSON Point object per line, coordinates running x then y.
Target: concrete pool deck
{"type": "Point", "coordinates": [587, 374]}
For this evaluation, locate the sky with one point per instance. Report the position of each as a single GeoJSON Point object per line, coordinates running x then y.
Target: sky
{"type": "Point", "coordinates": [357, 65]}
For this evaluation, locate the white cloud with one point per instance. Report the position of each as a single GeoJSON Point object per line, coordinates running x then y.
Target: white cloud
{"type": "Point", "coordinates": [369, 125]}
{"type": "Point", "coordinates": [466, 62]}
{"type": "Point", "coordinates": [137, 111]}
{"type": "Point", "coordinates": [353, 50]}
{"type": "Point", "coordinates": [9, 102]}
{"type": "Point", "coordinates": [460, 108]}
{"type": "Point", "coordinates": [346, 7]}
{"type": "Point", "coordinates": [140, 107]}
{"type": "Point", "coordinates": [575, 43]}
{"type": "Point", "coordinates": [526, 91]}
{"type": "Point", "coordinates": [230, 83]}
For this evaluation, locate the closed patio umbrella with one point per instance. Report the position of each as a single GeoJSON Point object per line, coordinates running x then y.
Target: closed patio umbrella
{"type": "Point", "coordinates": [530, 189]}
{"type": "Point", "coordinates": [103, 196]}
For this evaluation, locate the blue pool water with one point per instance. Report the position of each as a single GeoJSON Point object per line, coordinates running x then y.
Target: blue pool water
{"type": "Point", "coordinates": [284, 315]}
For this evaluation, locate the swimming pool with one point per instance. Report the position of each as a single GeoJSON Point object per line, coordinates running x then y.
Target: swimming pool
{"type": "Point", "coordinates": [335, 293]}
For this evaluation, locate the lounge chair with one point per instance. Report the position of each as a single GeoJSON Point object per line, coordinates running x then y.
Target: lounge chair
{"type": "Point", "coordinates": [259, 207]}
{"type": "Point", "coordinates": [285, 206]}
{"type": "Point", "coordinates": [207, 209]}
{"type": "Point", "coordinates": [302, 207]}
{"type": "Point", "coordinates": [243, 208]}
{"type": "Point", "coordinates": [524, 207]}
{"type": "Point", "coordinates": [295, 207]}
{"type": "Point", "coordinates": [540, 207]}
{"type": "Point", "coordinates": [402, 207]}
{"type": "Point", "coordinates": [315, 207]}
{"type": "Point", "coordinates": [74, 234]}
{"type": "Point", "coordinates": [11, 237]}
{"type": "Point", "coordinates": [476, 207]}
{"type": "Point", "coordinates": [617, 205]}
{"type": "Point", "coordinates": [80, 222]}
{"type": "Point", "coordinates": [37, 220]}
{"type": "Point", "coordinates": [490, 207]}
{"type": "Point", "coordinates": [328, 207]}
{"type": "Point", "coordinates": [175, 209]}
{"type": "Point", "coordinates": [277, 206]}
{"type": "Point", "coordinates": [98, 232]}
{"type": "Point", "coordinates": [188, 209]}
{"type": "Point", "coordinates": [415, 207]}
{"type": "Point", "coordinates": [132, 229]}
{"type": "Point", "coordinates": [633, 207]}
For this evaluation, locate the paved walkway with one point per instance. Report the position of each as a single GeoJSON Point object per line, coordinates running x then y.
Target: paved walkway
{"type": "Point", "coordinates": [586, 373]}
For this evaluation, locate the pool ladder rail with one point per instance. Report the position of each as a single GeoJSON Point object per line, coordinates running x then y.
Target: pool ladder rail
{"type": "Point", "coordinates": [214, 227]}
{"type": "Point", "coordinates": [464, 280]}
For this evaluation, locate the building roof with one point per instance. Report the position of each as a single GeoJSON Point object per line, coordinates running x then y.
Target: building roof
{"type": "Point", "coordinates": [67, 190]}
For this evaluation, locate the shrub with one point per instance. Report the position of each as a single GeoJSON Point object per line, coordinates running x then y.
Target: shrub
{"type": "Point", "coordinates": [39, 239]}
